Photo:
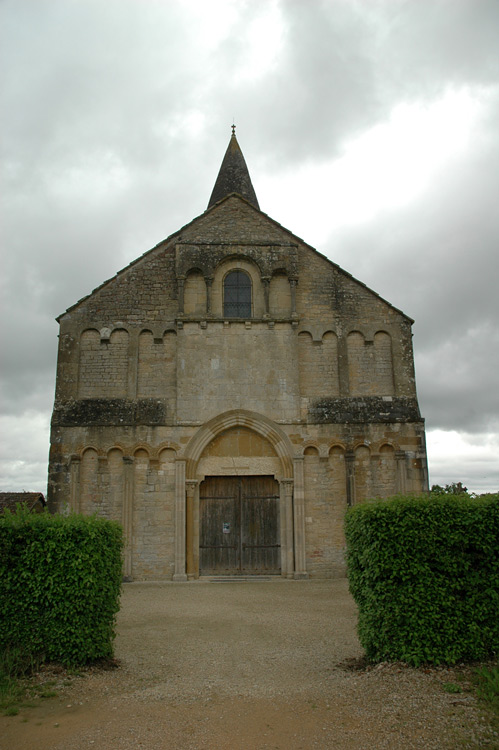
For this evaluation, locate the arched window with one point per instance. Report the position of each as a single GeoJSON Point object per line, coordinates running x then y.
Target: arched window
{"type": "Point", "coordinates": [237, 295]}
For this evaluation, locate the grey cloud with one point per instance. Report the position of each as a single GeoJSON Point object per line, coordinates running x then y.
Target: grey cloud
{"type": "Point", "coordinates": [101, 162]}
{"type": "Point", "coordinates": [437, 260]}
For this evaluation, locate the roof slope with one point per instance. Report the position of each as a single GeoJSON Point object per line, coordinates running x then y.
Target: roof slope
{"type": "Point", "coordinates": [11, 500]}
{"type": "Point", "coordinates": [233, 176]}
{"type": "Point", "coordinates": [212, 211]}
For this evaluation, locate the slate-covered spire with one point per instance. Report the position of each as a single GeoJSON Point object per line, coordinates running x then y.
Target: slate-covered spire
{"type": "Point", "coordinates": [233, 176]}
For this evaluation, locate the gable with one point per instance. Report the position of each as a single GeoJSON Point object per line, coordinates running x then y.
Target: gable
{"type": "Point", "coordinates": [231, 227]}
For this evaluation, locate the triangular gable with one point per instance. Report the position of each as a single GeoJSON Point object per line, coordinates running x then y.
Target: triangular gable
{"type": "Point", "coordinates": [291, 238]}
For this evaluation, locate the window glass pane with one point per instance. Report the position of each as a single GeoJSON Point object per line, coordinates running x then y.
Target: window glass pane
{"type": "Point", "coordinates": [237, 295]}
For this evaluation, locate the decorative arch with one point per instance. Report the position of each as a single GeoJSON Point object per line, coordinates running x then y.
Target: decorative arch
{"type": "Point", "coordinates": [239, 418]}
{"type": "Point", "coordinates": [386, 447]}
{"type": "Point", "coordinates": [306, 445]}
{"type": "Point", "coordinates": [195, 296]}
{"type": "Point", "coordinates": [337, 449]}
{"type": "Point", "coordinates": [168, 445]}
{"type": "Point", "coordinates": [112, 449]}
{"type": "Point", "coordinates": [311, 450]}
{"type": "Point", "coordinates": [142, 448]}
{"type": "Point", "coordinates": [280, 303]}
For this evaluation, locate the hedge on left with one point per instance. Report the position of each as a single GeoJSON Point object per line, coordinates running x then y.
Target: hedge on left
{"type": "Point", "coordinates": [60, 582]}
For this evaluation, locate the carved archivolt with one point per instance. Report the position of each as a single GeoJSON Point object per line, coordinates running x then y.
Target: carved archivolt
{"type": "Point", "coordinates": [239, 418]}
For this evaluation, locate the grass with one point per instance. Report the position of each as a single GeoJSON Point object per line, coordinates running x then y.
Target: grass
{"type": "Point", "coordinates": [452, 687]}
{"type": "Point", "coordinates": [17, 690]}
{"type": "Point", "coordinates": [486, 683]}
{"type": "Point", "coordinates": [12, 693]}
{"type": "Point", "coordinates": [483, 683]}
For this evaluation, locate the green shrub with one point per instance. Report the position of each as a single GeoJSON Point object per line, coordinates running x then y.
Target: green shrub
{"type": "Point", "coordinates": [60, 580]}
{"type": "Point", "coordinates": [424, 572]}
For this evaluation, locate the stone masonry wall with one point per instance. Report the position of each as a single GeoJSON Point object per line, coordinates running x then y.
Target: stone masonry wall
{"type": "Point", "coordinates": [148, 358]}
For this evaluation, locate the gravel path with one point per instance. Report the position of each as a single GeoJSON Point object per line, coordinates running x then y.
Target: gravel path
{"type": "Point", "coordinates": [246, 665]}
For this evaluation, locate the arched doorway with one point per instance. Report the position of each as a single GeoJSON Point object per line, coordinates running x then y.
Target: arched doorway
{"type": "Point", "coordinates": [239, 470]}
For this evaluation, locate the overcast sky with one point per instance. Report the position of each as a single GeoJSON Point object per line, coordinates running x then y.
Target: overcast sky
{"type": "Point", "coordinates": [370, 129]}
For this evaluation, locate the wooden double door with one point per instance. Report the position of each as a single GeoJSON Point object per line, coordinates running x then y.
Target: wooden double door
{"type": "Point", "coordinates": [239, 526]}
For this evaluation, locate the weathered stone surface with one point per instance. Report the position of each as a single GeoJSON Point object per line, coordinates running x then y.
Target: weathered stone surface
{"type": "Point", "coordinates": [364, 409]}
{"type": "Point", "coordinates": [109, 411]}
{"type": "Point", "coordinates": [157, 388]}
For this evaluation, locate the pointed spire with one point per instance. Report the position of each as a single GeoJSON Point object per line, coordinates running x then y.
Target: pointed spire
{"type": "Point", "coordinates": [233, 176]}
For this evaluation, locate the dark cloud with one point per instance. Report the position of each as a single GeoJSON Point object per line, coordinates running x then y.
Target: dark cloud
{"type": "Point", "coordinates": [115, 120]}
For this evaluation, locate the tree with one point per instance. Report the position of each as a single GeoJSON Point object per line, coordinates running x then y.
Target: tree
{"type": "Point", "coordinates": [455, 488]}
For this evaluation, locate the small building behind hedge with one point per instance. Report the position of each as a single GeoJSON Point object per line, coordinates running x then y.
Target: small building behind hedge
{"type": "Point", "coordinates": [34, 501]}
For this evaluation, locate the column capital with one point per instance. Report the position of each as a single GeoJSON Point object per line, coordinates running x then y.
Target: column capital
{"type": "Point", "coordinates": [191, 486]}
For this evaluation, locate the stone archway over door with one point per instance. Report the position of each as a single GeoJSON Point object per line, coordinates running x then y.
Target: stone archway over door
{"type": "Point", "coordinates": [239, 526]}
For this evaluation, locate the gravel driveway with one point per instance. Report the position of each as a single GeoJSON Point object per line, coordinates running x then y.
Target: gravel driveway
{"type": "Point", "coordinates": [243, 665]}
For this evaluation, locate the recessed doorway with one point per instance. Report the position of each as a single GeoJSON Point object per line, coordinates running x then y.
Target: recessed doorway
{"type": "Point", "coordinates": [239, 526]}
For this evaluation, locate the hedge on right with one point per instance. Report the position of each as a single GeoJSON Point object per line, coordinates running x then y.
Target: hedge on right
{"type": "Point", "coordinates": [424, 572]}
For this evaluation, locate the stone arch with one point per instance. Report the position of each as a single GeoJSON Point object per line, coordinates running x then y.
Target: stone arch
{"type": "Point", "coordinates": [111, 452]}
{"type": "Point", "coordinates": [311, 450]}
{"type": "Point", "coordinates": [318, 364]}
{"type": "Point", "coordinates": [239, 418]}
{"type": "Point", "coordinates": [306, 445]}
{"type": "Point", "coordinates": [337, 449]}
{"type": "Point", "coordinates": [195, 297]}
{"type": "Point", "coordinates": [279, 295]}
{"type": "Point", "coordinates": [167, 455]}
{"type": "Point", "coordinates": [140, 450]}
{"type": "Point", "coordinates": [358, 364]}
{"type": "Point", "coordinates": [168, 445]}
{"type": "Point", "coordinates": [103, 365]}
{"type": "Point", "coordinates": [386, 448]}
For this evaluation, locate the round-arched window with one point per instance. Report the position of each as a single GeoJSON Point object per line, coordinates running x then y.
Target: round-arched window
{"type": "Point", "coordinates": [237, 295]}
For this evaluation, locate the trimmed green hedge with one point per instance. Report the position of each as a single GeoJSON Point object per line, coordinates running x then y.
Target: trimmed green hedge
{"type": "Point", "coordinates": [424, 572]}
{"type": "Point", "coordinates": [60, 581]}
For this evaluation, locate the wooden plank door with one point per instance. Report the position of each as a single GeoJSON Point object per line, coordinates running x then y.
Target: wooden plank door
{"type": "Point", "coordinates": [260, 537]}
{"type": "Point", "coordinates": [239, 526]}
{"type": "Point", "coordinates": [220, 526]}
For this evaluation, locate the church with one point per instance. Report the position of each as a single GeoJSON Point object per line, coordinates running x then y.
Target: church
{"type": "Point", "coordinates": [228, 395]}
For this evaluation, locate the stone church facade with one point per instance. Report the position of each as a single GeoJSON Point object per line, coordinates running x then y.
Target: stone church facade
{"type": "Point", "coordinates": [228, 395]}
